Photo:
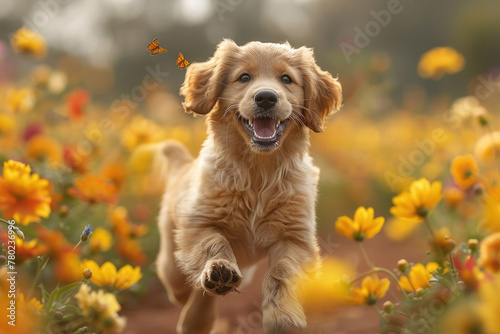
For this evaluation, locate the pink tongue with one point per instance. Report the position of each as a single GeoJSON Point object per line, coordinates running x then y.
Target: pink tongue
{"type": "Point", "coordinates": [264, 127]}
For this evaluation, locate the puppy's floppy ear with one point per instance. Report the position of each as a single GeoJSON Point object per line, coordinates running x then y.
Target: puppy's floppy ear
{"type": "Point", "coordinates": [203, 83]}
{"type": "Point", "coordinates": [323, 93]}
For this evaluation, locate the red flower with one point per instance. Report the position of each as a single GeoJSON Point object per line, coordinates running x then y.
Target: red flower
{"type": "Point", "coordinates": [75, 102]}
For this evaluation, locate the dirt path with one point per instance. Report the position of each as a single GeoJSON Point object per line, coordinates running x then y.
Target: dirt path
{"type": "Point", "coordinates": [240, 312]}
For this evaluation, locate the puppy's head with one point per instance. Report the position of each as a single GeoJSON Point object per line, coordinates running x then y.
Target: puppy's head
{"type": "Point", "coordinates": [260, 89]}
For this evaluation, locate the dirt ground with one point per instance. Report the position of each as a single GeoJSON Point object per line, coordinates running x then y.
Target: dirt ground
{"type": "Point", "coordinates": [240, 313]}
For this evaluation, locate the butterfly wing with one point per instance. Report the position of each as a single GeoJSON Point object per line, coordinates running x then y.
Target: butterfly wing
{"type": "Point", "coordinates": [154, 48]}
{"type": "Point", "coordinates": [182, 62]}
{"type": "Point", "coordinates": [158, 50]}
{"type": "Point", "coordinates": [153, 45]}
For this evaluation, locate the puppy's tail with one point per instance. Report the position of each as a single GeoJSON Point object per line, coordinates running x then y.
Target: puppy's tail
{"type": "Point", "coordinates": [170, 158]}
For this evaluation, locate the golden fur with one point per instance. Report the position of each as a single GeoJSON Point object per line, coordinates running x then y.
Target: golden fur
{"type": "Point", "coordinates": [237, 203]}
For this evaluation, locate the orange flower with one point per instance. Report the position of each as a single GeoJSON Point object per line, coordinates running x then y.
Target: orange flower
{"type": "Point", "coordinates": [122, 225]}
{"type": "Point", "coordinates": [74, 160]}
{"type": "Point", "coordinates": [114, 173]}
{"type": "Point", "coordinates": [94, 189]}
{"type": "Point", "coordinates": [67, 268]}
{"type": "Point", "coordinates": [25, 197]}
{"type": "Point", "coordinates": [489, 253]}
{"type": "Point", "coordinates": [24, 250]}
{"type": "Point", "coordinates": [44, 148]}
{"type": "Point", "coordinates": [56, 242]}
{"type": "Point", "coordinates": [131, 250]}
{"type": "Point", "coordinates": [453, 195]}
{"type": "Point", "coordinates": [464, 171]}
{"type": "Point", "coordinates": [75, 101]}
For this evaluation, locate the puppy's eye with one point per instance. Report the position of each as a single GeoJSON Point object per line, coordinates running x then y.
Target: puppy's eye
{"type": "Point", "coordinates": [244, 78]}
{"type": "Point", "coordinates": [286, 79]}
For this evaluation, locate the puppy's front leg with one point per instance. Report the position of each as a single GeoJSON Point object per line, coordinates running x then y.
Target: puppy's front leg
{"type": "Point", "coordinates": [281, 309]}
{"type": "Point", "coordinates": [207, 258]}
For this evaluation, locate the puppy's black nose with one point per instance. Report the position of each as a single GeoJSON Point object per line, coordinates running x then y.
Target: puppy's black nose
{"type": "Point", "coordinates": [265, 99]}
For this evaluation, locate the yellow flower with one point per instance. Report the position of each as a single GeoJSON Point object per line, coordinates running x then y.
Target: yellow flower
{"type": "Point", "coordinates": [44, 148]}
{"type": "Point", "coordinates": [7, 124]}
{"type": "Point", "coordinates": [491, 215]}
{"type": "Point", "coordinates": [20, 99]}
{"type": "Point", "coordinates": [439, 61]}
{"type": "Point", "coordinates": [23, 196]}
{"type": "Point", "coordinates": [464, 171]}
{"type": "Point", "coordinates": [419, 277]}
{"type": "Point", "coordinates": [462, 319]}
{"type": "Point", "coordinates": [371, 290]}
{"type": "Point", "coordinates": [33, 304]}
{"type": "Point", "coordinates": [398, 229]}
{"type": "Point", "coordinates": [325, 286]}
{"type": "Point", "coordinates": [362, 227]}
{"type": "Point", "coordinates": [102, 308]}
{"type": "Point", "coordinates": [489, 253]}
{"type": "Point", "coordinates": [416, 203]}
{"type": "Point", "coordinates": [490, 306]}
{"type": "Point", "coordinates": [107, 276]}
{"type": "Point", "coordinates": [141, 131]}
{"type": "Point", "coordinates": [29, 42]}
{"type": "Point", "coordinates": [101, 240]}
{"type": "Point", "coordinates": [488, 147]}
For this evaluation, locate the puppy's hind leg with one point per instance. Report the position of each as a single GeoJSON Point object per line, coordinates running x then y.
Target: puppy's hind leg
{"type": "Point", "coordinates": [175, 282]}
{"type": "Point", "coordinates": [198, 315]}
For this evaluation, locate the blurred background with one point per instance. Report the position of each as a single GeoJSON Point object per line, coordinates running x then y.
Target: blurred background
{"type": "Point", "coordinates": [395, 99]}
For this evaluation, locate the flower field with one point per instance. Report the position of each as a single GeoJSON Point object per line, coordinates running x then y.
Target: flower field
{"type": "Point", "coordinates": [79, 198]}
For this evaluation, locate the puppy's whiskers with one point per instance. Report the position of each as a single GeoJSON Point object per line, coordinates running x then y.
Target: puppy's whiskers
{"type": "Point", "coordinates": [229, 107]}
{"type": "Point", "coordinates": [312, 112]}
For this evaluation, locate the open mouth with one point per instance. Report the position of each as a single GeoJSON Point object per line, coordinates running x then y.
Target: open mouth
{"type": "Point", "coordinates": [264, 132]}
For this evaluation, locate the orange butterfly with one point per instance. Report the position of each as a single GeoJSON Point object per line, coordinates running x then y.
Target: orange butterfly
{"type": "Point", "coordinates": [182, 62]}
{"type": "Point", "coordinates": [154, 48]}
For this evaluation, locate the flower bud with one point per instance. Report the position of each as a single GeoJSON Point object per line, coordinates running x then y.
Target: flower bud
{"type": "Point", "coordinates": [403, 265]}
{"type": "Point", "coordinates": [472, 244]}
{"type": "Point", "coordinates": [87, 273]}
{"type": "Point", "coordinates": [388, 306]}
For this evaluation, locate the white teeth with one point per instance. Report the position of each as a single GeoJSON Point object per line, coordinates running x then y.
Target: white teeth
{"type": "Point", "coordinates": [278, 124]}
{"type": "Point", "coordinates": [272, 136]}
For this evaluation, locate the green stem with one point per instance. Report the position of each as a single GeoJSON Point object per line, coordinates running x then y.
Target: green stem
{"type": "Point", "coordinates": [367, 259]}
{"type": "Point", "coordinates": [429, 227]}
{"type": "Point", "coordinates": [39, 268]}
{"type": "Point", "coordinates": [382, 316]}
{"type": "Point", "coordinates": [383, 270]}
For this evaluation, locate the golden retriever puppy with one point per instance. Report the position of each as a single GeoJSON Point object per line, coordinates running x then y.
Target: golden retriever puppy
{"type": "Point", "coordinates": [251, 192]}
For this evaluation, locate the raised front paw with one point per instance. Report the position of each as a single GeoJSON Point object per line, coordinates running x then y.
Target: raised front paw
{"type": "Point", "coordinates": [220, 277]}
